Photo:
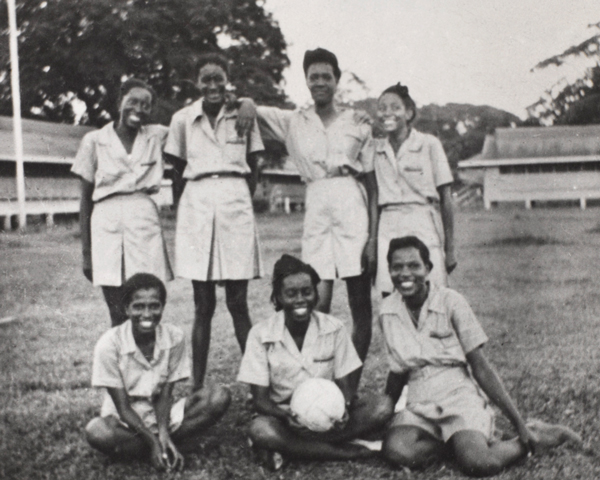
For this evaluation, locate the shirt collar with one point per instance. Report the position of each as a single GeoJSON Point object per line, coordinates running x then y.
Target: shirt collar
{"type": "Point", "coordinates": [197, 112]}
{"type": "Point", "coordinates": [276, 326]}
{"type": "Point", "coordinates": [434, 302]}
{"type": "Point", "coordinates": [413, 143]}
{"type": "Point", "coordinates": [163, 342]}
{"type": "Point", "coordinates": [107, 134]}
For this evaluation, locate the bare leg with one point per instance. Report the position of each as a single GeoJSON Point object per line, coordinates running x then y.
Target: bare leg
{"type": "Point", "coordinates": [205, 301]}
{"type": "Point", "coordinates": [271, 434]}
{"type": "Point", "coordinates": [477, 457]}
{"type": "Point", "coordinates": [325, 289]}
{"type": "Point", "coordinates": [203, 408]}
{"type": "Point", "coordinates": [412, 447]}
{"type": "Point", "coordinates": [359, 299]}
{"type": "Point", "coordinates": [109, 436]}
{"type": "Point", "coordinates": [113, 297]}
{"type": "Point", "coordinates": [236, 293]}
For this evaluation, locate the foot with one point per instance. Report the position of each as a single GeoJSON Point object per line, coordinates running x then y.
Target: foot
{"type": "Point", "coordinates": [269, 459]}
{"type": "Point", "coordinates": [550, 435]}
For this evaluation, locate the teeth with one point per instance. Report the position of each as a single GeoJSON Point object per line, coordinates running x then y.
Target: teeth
{"type": "Point", "coordinates": [146, 323]}
{"type": "Point", "coordinates": [134, 117]}
{"type": "Point", "coordinates": [300, 311]}
{"type": "Point", "coordinates": [407, 284]}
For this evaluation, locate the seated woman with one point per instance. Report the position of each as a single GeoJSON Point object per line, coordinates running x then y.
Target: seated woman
{"type": "Point", "coordinates": [432, 337]}
{"type": "Point", "coordinates": [138, 363]}
{"type": "Point", "coordinates": [295, 344]}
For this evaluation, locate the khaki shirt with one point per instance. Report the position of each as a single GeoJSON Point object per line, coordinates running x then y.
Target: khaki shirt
{"type": "Point", "coordinates": [207, 150]}
{"type": "Point", "coordinates": [272, 358]}
{"type": "Point", "coordinates": [343, 148]}
{"type": "Point", "coordinates": [447, 330]}
{"type": "Point", "coordinates": [119, 363]}
{"type": "Point", "coordinates": [413, 175]}
{"type": "Point", "coordinates": [103, 161]}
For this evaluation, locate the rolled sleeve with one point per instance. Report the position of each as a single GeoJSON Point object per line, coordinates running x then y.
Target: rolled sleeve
{"type": "Point", "coordinates": [468, 329]}
{"type": "Point", "coordinates": [274, 122]}
{"type": "Point", "coordinates": [442, 175]}
{"type": "Point", "coordinates": [346, 359]}
{"type": "Point", "coordinates": [105, 369]}
{"type": "Point", "coordinates": [179, 362]}
{"type": "Point", "coordinates": [86, 163]}
{"type": "Point", "coordinates": [176, 140]}
{"type": "Point", "coordinates": [254, 368]}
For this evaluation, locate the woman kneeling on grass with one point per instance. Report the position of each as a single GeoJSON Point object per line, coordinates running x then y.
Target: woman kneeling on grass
{"type": "Point", "coordinates": [432, 338]}
{"type": "Point", "coordinates": [296, 344]}
{"type": "Point", "coordinates": [138, 363]}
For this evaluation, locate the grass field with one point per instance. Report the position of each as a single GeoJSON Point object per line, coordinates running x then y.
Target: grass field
{"type": "Point", "coordinates": [531, 277]}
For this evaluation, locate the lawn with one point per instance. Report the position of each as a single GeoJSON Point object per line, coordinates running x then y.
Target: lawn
{"type": "Point", "coordinates": [531, 277]}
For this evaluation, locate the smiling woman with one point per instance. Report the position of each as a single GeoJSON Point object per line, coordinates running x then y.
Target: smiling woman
{"type": "Point", "coordinates": [120, 166]}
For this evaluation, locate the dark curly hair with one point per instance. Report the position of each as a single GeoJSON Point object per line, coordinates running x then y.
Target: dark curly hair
{"type": "Point", "coordinates": [142, 281]}
{"type": "Point", "coordinates": [408, 242]}
{"type": "Point", "coordinates": [286, 266]}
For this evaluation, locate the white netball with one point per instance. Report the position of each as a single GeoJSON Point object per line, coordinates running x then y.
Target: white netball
{"type": "Point", "coordinates": [318, 404]}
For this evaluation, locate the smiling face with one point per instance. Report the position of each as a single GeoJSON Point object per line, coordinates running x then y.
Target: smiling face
{"type": "Point", "coordinates": [409, 272]}
{"type": "Point", "coordinates": [145, 310]}
{"type": "Point", "coordinates": [392, 114]}
{"type": "Point", "coordinates": [321, 82]}
{"type": "Point", "coordinates": [298, 297]}
{"type": "Point", "coordinates": [212, 80]}
{"type": "Point", "coordinates": [135, 108]}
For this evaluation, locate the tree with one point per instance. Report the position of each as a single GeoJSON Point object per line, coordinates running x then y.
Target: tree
{"type": "Point", "coordinates": [84, 48]}
{"type": "Point", "coordinates": [577, 102]}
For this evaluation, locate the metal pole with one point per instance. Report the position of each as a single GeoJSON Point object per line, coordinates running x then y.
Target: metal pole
{"type": "Point", "coordinates": [16, 101]}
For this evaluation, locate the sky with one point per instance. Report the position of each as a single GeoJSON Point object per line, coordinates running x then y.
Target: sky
{"type": "Point", "coordinates": [461, 51]}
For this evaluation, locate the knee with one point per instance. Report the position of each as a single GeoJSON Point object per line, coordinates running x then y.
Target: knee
{"type": "Point", "coordinates": [263, 432]}
{"type": "Point", "coordinates": [215, 399]}
{"type": "Point", "coordinates": [477, 465]}
{"type": "Point", "coordinates": [383, 409]}
{"type": "Point", "coordinates": [399, 450]}
{"type": "Point", "coordinates": [100, 435]}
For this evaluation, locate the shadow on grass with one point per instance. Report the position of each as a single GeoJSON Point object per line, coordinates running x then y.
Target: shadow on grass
{"type": "Point", "coordinates": [522, 241]}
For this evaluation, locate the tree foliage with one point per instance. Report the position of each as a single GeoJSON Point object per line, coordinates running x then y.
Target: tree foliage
{"type": "Point", "coordinates": [84, 48]}
{"type": "Point", "coordinates": [575, 103]}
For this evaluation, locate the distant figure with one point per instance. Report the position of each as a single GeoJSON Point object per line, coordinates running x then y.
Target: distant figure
{"type": "Point", "coordinates": [138, 363]}
{"type": "Point", "coordinates": [216, 239]}
{"type": "Point", "coordinates": [296, 344]}
{"type": "Point", "coordinates": [120, 166]}
{"type": "Point", "coordinates": [414, 187]}
{"type": "Point", "coordinates": [332, 149]}
{"type": "Point", "coordinates": [434, 344]}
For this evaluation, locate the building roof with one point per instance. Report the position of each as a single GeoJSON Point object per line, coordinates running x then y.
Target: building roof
{"type": "Point", "coordinates": [564, 144]}
{"type": "Point", "coordinates": [43, 142]}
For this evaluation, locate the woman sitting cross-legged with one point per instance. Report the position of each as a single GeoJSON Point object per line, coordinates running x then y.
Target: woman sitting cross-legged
{"type": "Point", "coordinates": [296, 344]}
{"type": "Point", "coordinates": [138, 363]}
{"type": "Point", "coordinates": [432, 339]}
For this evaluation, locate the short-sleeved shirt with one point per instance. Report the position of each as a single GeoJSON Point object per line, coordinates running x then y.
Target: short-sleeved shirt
{"type": "Point", "coordinates": [343, 148]}
{"type": "Point", "coordinates": [207, 150]}
{"type": "Point", "coordinates": [103, 161]}
{"type": "Point", "coordinates": [272, 358]}
{"type": "Point", "coordinates": [415, 173]}
{"type": "Point", "coordinates": [447, 330]}
{"type": "Point", "coordinates": [119, 363]}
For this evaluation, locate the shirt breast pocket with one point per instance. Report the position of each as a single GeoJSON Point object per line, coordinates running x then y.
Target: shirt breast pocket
{"type": "Point", "coordinates": [444, 335]}
{"type": "Point", "coordinates": [324, 366]}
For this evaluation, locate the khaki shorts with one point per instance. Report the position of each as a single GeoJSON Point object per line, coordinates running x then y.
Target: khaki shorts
{"type": "Point", "coordinates": [148, 416]}
{"type": "Point", "coordinates": [460, 407]}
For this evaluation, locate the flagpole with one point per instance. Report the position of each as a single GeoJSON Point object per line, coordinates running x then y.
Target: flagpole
{"type": "Point", "coordinates": [16, 101]}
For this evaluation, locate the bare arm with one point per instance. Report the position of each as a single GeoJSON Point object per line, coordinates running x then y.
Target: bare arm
{"type": "Point", "coordinates": [86, 206]}
{"type": "Point", "coordinates": [265, 406]}
{"type": "Point", "coordinates": [179, 182]}
{"type": "Point", "coordinates": [130, 417]}
{"type": "Point", "coordinates": [345, 384]}
{"type": "Point", "coordinates": [253, 160]}
{"type": "Point", "coordinates": [162, 408]}
{"type": "Point", "coordinates": [492, 385]}
{"type": "Point", "coordinates": [447, 212]}
{"type": "Point", "coordinates": [395, 384]}
{"type": "Point", "coordinates": [370, 250]}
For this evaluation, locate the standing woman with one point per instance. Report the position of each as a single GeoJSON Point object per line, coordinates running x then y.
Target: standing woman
{"type": "Point", "coordinates": [120, 166]}
{"type": "Point", "coordinates": [216, 238]}
{"type": "Point", "coordinates": [413, 181]}
{"type": "Point", "coordinates": [332, 149]}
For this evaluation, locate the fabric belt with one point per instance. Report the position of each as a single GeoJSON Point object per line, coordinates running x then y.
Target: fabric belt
{"type": "Point", "coordinates": [221, 175]}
